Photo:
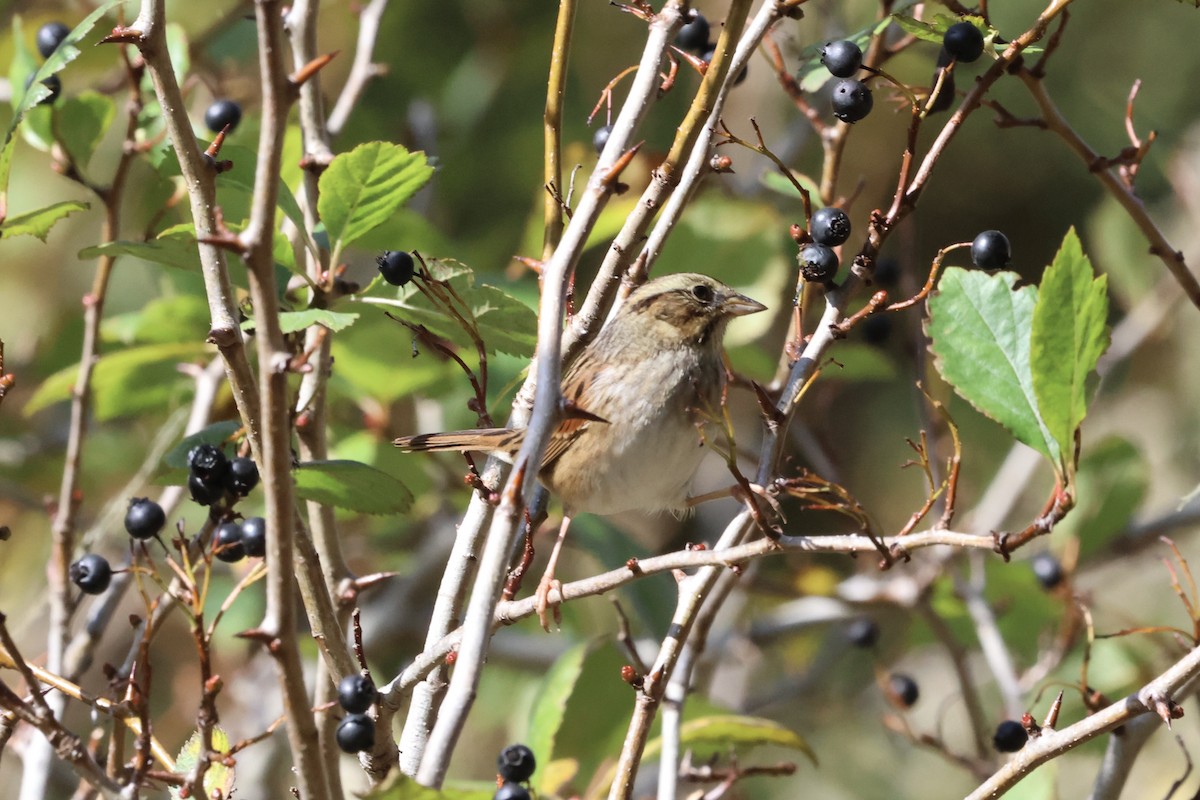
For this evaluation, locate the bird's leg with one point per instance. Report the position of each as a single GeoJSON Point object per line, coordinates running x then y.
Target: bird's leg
{"type": "Point", "coordinates": [550, 583]}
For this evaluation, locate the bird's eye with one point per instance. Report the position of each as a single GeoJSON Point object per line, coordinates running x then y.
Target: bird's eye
{"type": "Point", "coordinates": [703, 292]}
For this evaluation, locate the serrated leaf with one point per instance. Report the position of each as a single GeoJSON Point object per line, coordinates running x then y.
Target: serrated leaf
{"type": "Point", "coordinates": [292, 321]}
{"type": "Point", "coordinates": [218, 778]}
{"type": "Point", "coordinates": [362, 188]}
{"type": "Point", "coordinates": [217, 433]}
{"type": "Point", "coordinates": [174, 249]}
{"type": "Point", "coordinates": [504, 323]}
{"type": "Point", "coordinates": [81, 122]}
{"type": "Point", "coordinates": [549, 711]}
{"type": "Point", "coordinates": [351, 485]}
{"type": "Point", "coordinates": [1069, 335]}
{"type": "Point", "coordinates": [179, 318]}
{"type": "Point", "coordinates": [979, 326]}
{"type": "Point", "coordinates": [126, 382]}
{"type": "Point", "coordinates": [38, 223]}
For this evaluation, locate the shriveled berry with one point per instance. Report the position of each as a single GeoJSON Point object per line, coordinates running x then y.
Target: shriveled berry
{"type": "Point", "coordinates": [207, 461]}
{"type": "Point", "coordinates": [396, 267]}
{"type": "Point", "coordinates": [1010, 736]}
{"type": "Point", "coordinates": [963, 41]}
{"type": "Point", "coordinates": [600, 137]}
{"type": "Point", "coordinates": [511, 791]}
{"type": "Point", "coordinates": [50, 36]}
{"type": "Point", "coordinates": [91, 573]}
{"type": "Point", "coordinates": [222, 113]}
{"type": "Point", "coordinates": [842, 58]}
{"type": "Point", "coordinates": [903, 689]}
{"type": "Point", "coordinates": [830, 226]}
{"type": "Point", "coordinates": [991, 250]}
{"type": "Point", "coordinates": [862, 632]}
{"type": "Point", "coordinates": [355, 733]}
{"type": "Point", "coordinates": [852, 100]}
{"type": "Point", "coordinates": [1047, 569]}
{"type": "Point", "coordinates": [227, 542]}
{"type": "Point", "coordinates": [817, 263]}
{"type": "Point", "coordinates": [356, 693]}
{"type": "Point", "coordinates": [516, 763]}
{"type": "Point", "coordinates": [254, 536]}
{"type": "Point", "coordinates": [144, 518]}
{"type": "Point", "coordinates": [242, 476]}
{"type": "Point", "coordinates": [693, 36]}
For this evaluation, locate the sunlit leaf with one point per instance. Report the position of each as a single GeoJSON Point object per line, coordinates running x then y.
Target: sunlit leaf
{"type": "Point", "coordinates": [81, 122]}
{"type": "Point", "coordinates": [218, 778]}
{"type": "Point", "coordinates": [549, 712]}
{"type": "Point", "coordinates": [292, 321]}
{"type": "Point", "coordinates": [38, 223]}
{"type": "Point", "coordinates": [351, 485]}
{"type": "Point", "coordinates": [362, 188]}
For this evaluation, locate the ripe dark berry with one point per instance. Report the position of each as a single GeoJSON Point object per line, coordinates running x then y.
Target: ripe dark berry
{"type": "Point", "coordinates": [356, 693]}
{"type": "Point", "coordinates": [1047, 569]}
{"type": "Point", "coordinates": [830, 226]}
{"type": "Point", "coordinates": [144, 518]}
{"type": "Point", "coordinates": [50, 36]}
{"type": "Point", "coordinates": [707, 57]}
{"type": "Point", "coordinates": [516, 763]}
{"type": "Point", "coordinates": [903, 689]}
{"type": "Point", "coordinates": [963, 41]}
{"type": "Point", "coordinates": [355, 733]}
{"type": "Point", "coordinates": [91, 573]}
{"type": "Point", "coordinates": [817, 263]}
{"type": "Point", "coordinates": [396, 267]}
{"type": "Point", "coordinates": [511, 791]}
{"type": "Point", "coordinates": [851, 100]}
{"type": "Point", "coordinates": [945, 93]}
{"type": "Point", "coordinates": [991, 250]}
{"type": "Point", "coordinates": [205, 492]}
{"type": "Point", "coordinates": [842, 58]}
{"type": "Point", "coordinates": [600, 137]}
{"type": "Point", "coordinates": [227, 542]}
{"type": "Point", "coordinates": [694, 35]}
{"type": "Point", "coordinates": [1010, 736]}
{"type": "Point", "coordinates": [254, 536]}
{"type": "Point", "coordinates": [863, 632]}
{"type": "Point", "coordinates": [242, 476]}
{"type": "Point", "coordinates": [222, 113]}
{"type": "Point", "coordinates": [207, 461]}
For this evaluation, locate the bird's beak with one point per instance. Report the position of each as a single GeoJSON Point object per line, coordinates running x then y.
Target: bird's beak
{"type": "Point", "coordinates": [738, 305]}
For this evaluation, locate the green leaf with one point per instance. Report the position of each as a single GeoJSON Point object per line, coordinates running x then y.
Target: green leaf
{"type": "Point", "coordinates": [549, 712]}
{"type": "Point", "coordinates": [218, 778]}
{"type": "Point", "coordinates": [1069, 336]}
{"type": "Point", "coordinates": [292, 321]}
{"type": "Point", "coordinates": [81, 122]}
{"type": "Point", "coordinates": [38, 223]}
{"type": "Point", "coordinates": [934, 30]}
{"type": "Point", "coordinates": [179, 318]}
{"type": "Point", "coordinates": [979, 326]}
{"type": "Point", "coordinates": [781, 185]}
{"type": "Point", "coordinates": [65, 54]}
{"type": "Point", "coordinates": [399, 786]}
{"type": "Point", "coordinates": [1112, 483]}
{"type": "Point", "coordinates": [351, 485]}
{"type": "Point", "coordinates": [362, 188]}
{"type": "Point", "coordinates": [504, 323]}
{"type": "Point", "coordinates": [217, 433]}
{"type": "Point", "coordinates": [171, 249]}
{"type": "Point", "coordinates": [124, 383]}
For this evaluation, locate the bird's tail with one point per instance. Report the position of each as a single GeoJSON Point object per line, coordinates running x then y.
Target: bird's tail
{"type": "Point", "coordinates": [484, 440]}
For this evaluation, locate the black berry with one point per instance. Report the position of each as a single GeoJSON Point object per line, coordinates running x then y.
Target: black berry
{"type": "Point", "coordinates": [842, 58]}
{"type": "Point", "coordinates": [863, 632]}
{"type": "Point", "coordinates": [91, 573]}
{"type": "Point", "coordinates": [356, 733]}
{"type": "Point", "coordinates": [242, 476]}
{"type": "Point", "coordinates": [227, 542]}
{"type": "Point", "coordinates": [600, 137]}
{"type": "Point", "coordinates": [903, 689]}
{"type": "Point", "coordinates": [50, 36]}
{"type": "Point", "coordinates": [144, 518]}
{"type": "Point", "coordinates": [963, 41]}
{"type": "Point", "coordinates": [991, 250]}
{"type": "Point", "coordinates": [207, 461]}
{"type": "Point", "coordinates": [817, 263]}
{"type": "Point", "coordinates": [356, 693]}
{"type": "Point", "coordinates": [516, 763]}
{"type": "Point", "coordinates": [944, 96]}
{"type": "Point", "coordinates": [694, 35]}
{"type": "Point", "coordinates": [1047, 569]}
{"type": "Point", "coordinates": [254, 536]}
{"type": "Point", "coordinates": [396, 267]}
{"type": "Point", "coordinates": [511, 791]}
{"type": "Point", "coordinates": [851, 100]}
{"type": "Point", "coordinates": [222, 113]}
{"type": "Point", "coordinates": [1010, 736]}
{"type": "Point", "coordinates": [830, 226]}
{"type": "Point", "coordinates": [707, 58]}
{"type": "Point", "coordinates": [52, 83]}
{"type": "Point", "coordinates": [205, 492]}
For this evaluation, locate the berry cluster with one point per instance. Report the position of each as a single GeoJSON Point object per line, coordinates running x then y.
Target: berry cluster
{"type": "Point", "coordinates": [213, 478]}
{"type": "Point", "coordinates": [693, 38]}
{"type": "Point", "coordinates": [515, 765]}
{"type": "Point", "coordinates": [962, 42]}
{"type": "Point", "coordinates": [49, 37]}
{"type": "Point", "coordinates": [851, 98]}
{"type": "Point", "coordinates": [356, 732]}
{"type": "Point", "coordinates": [829, 228]}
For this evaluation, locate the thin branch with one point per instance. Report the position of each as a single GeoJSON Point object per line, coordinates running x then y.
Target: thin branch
{"type": "Point", "coordinates": [363, 69]}
{"type": "Point", "coordinates": [556, 84]}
